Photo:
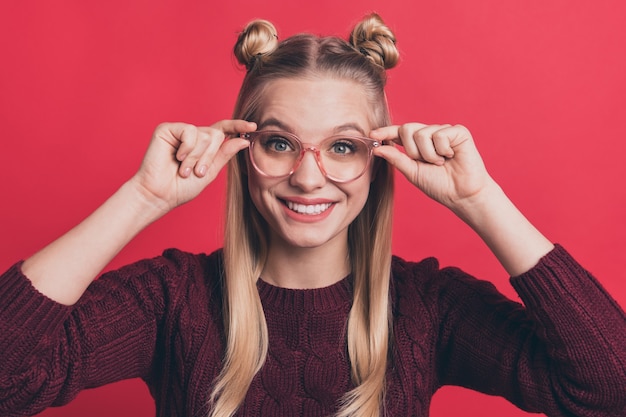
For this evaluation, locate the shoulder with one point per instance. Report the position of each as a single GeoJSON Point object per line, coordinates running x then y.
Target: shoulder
{"type": "Point", "coordinates": [428, 275]}
{"type": "Point", "coordinates": [425, 276]}
{"type": "Point", "coordinates": [172, 263]}
{"type": "Point", "coordinates": [196, 271]}
{"type": "Point", "coordinates": [426, 286]}
{"type": "Point", "coordinates": [187, 262]}
{"type": "Point", "coordinates": [403, 270]}
{"type": "Point", "coordinates": [414, 287]}
{"type": "Point", "coordinates": [170, 274]}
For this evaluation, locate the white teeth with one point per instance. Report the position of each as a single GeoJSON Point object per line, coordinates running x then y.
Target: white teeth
{"type": "Point", "coordinates": [308, 209]}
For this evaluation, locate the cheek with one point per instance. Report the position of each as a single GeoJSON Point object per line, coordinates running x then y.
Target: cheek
{"type": "Point", "coordinates": [260, 189]}
{"type": "Point", "coordinates": [359, 191]}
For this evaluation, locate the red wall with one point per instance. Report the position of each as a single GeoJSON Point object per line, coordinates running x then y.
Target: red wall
{"type": "Point", "coordinates": [542, 86]}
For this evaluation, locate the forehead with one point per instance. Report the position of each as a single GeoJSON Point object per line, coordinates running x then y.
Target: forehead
{"type": "Point", "coordinates": [316, 106]}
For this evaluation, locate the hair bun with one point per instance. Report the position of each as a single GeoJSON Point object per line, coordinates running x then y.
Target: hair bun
{"type": "Point", "coordinates": [375, 40]}
{"type": "Point", "coordinates": [258, 38]}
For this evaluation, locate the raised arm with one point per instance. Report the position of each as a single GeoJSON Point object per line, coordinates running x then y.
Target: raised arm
{"type": "Point", "coordinates": [563, 353]}
{"type": "Point", "coordinates": [443, 162]}
{"type": "Point", "coordinates": [180, 162]}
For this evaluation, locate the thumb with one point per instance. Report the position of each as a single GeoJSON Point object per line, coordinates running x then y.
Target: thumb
{"type": "Point", "coordinates": [229, 148]}
{"type": "Point", "coordinates": [407, 166]}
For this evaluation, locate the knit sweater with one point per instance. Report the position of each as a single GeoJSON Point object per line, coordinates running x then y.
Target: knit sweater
{"type": "Point", "coordinates": [563, 353]}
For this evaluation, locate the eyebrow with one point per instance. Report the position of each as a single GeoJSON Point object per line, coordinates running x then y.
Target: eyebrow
{"type": "Point", "coordinates": [273, 122]}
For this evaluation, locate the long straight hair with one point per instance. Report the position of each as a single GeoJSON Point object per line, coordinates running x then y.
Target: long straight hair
{"type": "Point", "coordinates": [369, 236]}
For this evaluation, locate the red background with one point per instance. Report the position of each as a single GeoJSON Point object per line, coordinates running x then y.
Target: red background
{"type": "Point", "coordinates": [541, 84]}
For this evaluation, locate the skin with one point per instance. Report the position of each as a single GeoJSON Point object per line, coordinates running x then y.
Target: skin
{"type": "Point", "coordinates": [180, 162]}
{"type": "Point", "coordinates": [443, 162]}
{"type": "Point", "coordinates": [309, 251]}
{"type": "Point", "coordinates": [440, 160]}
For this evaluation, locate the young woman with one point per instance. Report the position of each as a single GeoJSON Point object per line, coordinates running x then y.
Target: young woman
{"type": "Point", "coordinates": [305, 311]}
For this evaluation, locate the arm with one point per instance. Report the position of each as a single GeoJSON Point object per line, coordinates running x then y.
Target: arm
{"type": "Point", "coordinates": [54, 343]}
{"type": "Point", "coordinates": [516, 243]}
{"type": "Point", "coordinates": [180, 162]}
{"type": "Point", "coordinates": [50, 352]}
{"type": "Point", "coordinates": [563, 354]}
{"type": "Point", "coordinates": [575, 361]}
{"type": "Point", "coordinates": [443, 162]}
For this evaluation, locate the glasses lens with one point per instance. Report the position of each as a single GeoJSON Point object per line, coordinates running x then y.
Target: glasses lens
{"type": "Point", "coordinates": [275, 154]}
{"type": "Point", "coordinates": [344, 158]}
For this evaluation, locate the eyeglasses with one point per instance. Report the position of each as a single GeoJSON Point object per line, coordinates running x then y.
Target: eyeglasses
{"type": "Point", "coordinates": [341, 158]}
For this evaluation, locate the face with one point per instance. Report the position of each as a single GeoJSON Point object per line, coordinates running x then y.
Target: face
{"type": "Point", "coordinates": [306, 209]}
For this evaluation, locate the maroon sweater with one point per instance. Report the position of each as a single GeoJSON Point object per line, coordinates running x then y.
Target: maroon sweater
{"type": "Point", "coordinates": [159, 319]}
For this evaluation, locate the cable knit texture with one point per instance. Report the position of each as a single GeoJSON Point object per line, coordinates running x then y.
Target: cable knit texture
{"type": "Point", "coordinates": [563, 354]}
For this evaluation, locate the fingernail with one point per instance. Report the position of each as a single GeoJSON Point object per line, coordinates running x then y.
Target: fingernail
{"type": "Point", "coordinates": [186, 172]}
{"type": "Point", "coordinates": [202, 170]}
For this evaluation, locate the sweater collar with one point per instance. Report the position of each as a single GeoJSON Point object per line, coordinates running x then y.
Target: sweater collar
{"type": "Point", "coordinates": [328, 298]}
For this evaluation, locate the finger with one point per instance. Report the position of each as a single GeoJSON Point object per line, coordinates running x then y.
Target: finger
{"type": "Point", "coordinates": [391, 133]}
{"type": "Point", "coordinates": [402, 135]}
{"type": "Point", "coordinates": [442, 142]}
{"type": "Point", "coordinates": [457, 135]}
{"type": "Point", "coordinates": [235, 126]}
{"type": "Point", "coordinates": [209, 139]}
{"type": "Point", "coordinates": [407, 135]}
{"type": "Point", "coordinates": [226, 151]}
{"type": "Point", "coordinates": [401, 161]}
{"type": "Point", "coordinates": [206, 144]}
{"type": "Point", "coordinates": [426, 148]}
{"type": "Point", "coordinates": [195, 142]}
{"type": "Point", "coordinates": [186, 135]}
{"type": "Point", "coordinates": [180, 136]}
{"type": "Point", "coordinates": [386, 133]}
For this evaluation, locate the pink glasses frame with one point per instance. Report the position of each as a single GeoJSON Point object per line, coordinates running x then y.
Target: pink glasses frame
{"type": "Point", "coordinates": [305, 147]}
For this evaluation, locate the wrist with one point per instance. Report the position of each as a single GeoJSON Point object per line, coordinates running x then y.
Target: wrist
{"type": "Point", "coordinates": [146, 204]}
{"type": "Point", "coordinates": [471, 208]}
{"type": "Point", "coordinates": [516, 243]}
{"type": "Point", "coordinates": [63, 269]}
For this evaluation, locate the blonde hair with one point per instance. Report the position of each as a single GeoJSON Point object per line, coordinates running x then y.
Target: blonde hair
{"type": "Point", "coordinates": [363, 60]}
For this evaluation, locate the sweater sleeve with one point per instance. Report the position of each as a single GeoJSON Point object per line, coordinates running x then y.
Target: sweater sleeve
{"type": "Point", "coordinates": [50, 352]}
{"type": "Point", "coordinates": [563, 353]}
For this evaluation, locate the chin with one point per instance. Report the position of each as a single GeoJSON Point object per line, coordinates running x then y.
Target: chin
{"type": "Point", "coordinates": [312, 238]}
{"type": "Point", "coordinates": [306, 242]}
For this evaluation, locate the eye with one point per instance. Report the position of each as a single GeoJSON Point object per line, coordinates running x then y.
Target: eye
{"type": "Point", "coordinates": [343, 147]}
{"type": "Point", "coordinates": [276, 143]}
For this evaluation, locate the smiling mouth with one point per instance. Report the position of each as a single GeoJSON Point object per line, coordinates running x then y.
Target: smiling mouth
{"type": "Point", "coordinates": [311, 209]}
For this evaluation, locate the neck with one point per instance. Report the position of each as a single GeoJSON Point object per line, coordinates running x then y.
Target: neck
{"type": "Point", "coordinates": [306, 268]}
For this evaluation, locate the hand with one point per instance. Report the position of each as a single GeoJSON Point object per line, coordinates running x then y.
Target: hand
{"type": "Point", "coordinates": [180, 161]}
{"type": "Point", "coordinates": [441, 160]}
{"type": "Point", "coordinates": [183, 159]}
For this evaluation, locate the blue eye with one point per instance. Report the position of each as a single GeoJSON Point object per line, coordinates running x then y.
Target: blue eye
{"type": "Point", "coordinates": [278, 144]}
{"type": "Point", "coordinates": [343, 147]}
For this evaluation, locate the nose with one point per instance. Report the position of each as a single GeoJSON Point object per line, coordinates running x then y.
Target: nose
{"type": "Point", "coordinates": [308, 174]}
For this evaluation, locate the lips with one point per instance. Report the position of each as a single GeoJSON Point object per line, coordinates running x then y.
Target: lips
{"type": "Point", "coordinates": [310, 209]}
